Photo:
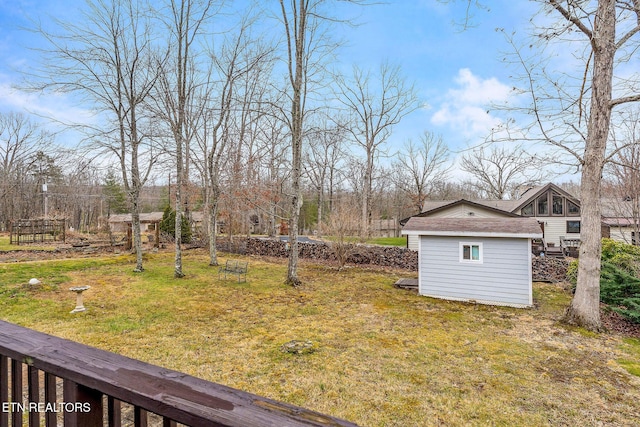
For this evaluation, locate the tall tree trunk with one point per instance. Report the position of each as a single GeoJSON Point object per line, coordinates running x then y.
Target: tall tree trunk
{"type": "Point", "coordinates": [213, 219]}
{"type": "Point", "coordinates": [585, 306]}
{"type": "Point", "coordinates": [296, 199]}
{"type": "Point", "coordinates": [320, 208]}
{"type": "Point", "coordinates": [178, 273]}
{"type": "Point", "coordinates": [366, 196]}
{"type": "Point", "coordinates": [296, 74]}
{"type": "Point", "coordinates": [137, 236]}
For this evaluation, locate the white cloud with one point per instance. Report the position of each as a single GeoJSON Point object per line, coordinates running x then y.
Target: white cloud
{"type": "Point", "coordinates": [465, 108]}
{"type": "Point", "coordinates": [53, 107]}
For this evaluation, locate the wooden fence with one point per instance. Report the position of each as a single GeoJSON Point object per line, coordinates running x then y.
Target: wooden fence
{"type": "Point", "coordinates": [25, 231]}
{"type": "Point", "coordinates": [97, 386]}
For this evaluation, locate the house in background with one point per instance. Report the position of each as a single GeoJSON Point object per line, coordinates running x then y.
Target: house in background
{"type": "Point", "coordinates": [485, 260]}
{"type": "Point", "coordinates": [621, 217]}
{"type": "Point", "coordinates": [120, 223]}
{"type": "Point", "coordinates": [557, 212]}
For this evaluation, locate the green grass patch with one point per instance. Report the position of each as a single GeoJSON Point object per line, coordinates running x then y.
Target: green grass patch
{"type": "Point", "coordinates": [389, 241]}
{"type": "Point", "coordinates": [380, 356]}
{"type": "Point", "coordinates": [5, 246]}
{"type": "Point", "coordinates": [631, 347]}
{"type": "Point", "coordinates": [384, 241]}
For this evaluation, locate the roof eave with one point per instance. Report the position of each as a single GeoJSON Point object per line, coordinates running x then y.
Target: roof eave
{"type": "Point", "coordinates": [472, 234]}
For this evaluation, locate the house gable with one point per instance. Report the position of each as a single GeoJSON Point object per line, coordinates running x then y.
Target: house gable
{"type": "Point", "coordinates": [461, 209]}
{"type": "Point", "coordinates": [550, 205]}
{"type": "Point", "coordinates": [558, 202]}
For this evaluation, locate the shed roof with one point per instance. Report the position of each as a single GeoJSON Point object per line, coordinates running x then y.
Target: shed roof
{"type": "Point", "coordinates": [520, 227]}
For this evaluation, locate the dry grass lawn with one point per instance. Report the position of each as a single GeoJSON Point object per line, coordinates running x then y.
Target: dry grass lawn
{"type": "Point", "coordinates": [384, 356]}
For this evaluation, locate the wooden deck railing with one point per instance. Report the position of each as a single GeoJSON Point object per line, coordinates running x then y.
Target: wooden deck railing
{"type": "Point", "coordinates": [97, 384]}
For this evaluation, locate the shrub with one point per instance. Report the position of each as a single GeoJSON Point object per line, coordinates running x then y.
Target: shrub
{"type": "Point", "coordinates": [168, 225]}
{"type": "Point", "coordinates": [622, 255]}
{"type": "Point", "coordinates": [572, 272]}
{"type": "Point", "coordinates": [619, 282]}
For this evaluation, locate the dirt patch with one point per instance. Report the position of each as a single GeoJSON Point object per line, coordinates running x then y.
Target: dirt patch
{"type": "Point", "coordinates": [615, 323]}
{"type": "Point", "coordinates": [20, 255]}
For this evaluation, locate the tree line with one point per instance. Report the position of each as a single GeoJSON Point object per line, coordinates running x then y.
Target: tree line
{"type": "Point", "coordinates": [244, 107]}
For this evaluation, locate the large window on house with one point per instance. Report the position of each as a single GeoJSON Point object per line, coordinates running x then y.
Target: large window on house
{"type": "Point", "coordinates": [543, 205]}
{"type": "Point", "coordinates": [471, 252]}
{"type": "Point", "coordinates": [573, 227]}
{"type": "Point", "coordinates": [528, 210]}
{"type": "Point", "coordinates": [557, 205]}
{"type": "Point", "coordinates": [572, 209]}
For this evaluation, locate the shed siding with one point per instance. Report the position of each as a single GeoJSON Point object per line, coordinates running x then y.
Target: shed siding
{"type": "Point", "coordinates": [504, 277]}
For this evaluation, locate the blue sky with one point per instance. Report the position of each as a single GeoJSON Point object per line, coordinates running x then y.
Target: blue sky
{"type": "Point", "coordinates": [458, 73]}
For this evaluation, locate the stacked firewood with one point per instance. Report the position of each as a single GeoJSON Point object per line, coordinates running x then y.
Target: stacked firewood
{"type": "Point", "coordinates": [386, 256]}
{"type": "Point", "coordinates": [548, 269]}
{"type": "Point", "coordinates": [545, 269]}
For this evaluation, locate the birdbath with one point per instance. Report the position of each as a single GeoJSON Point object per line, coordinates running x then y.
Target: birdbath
{"type": "Point", "coordinates": [79, 304]}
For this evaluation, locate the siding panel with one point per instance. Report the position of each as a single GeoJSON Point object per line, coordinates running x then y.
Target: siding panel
{"type": "Point", "coordinates": [554, 227]}
{"type": "Point", "coordinates": [503, 277]}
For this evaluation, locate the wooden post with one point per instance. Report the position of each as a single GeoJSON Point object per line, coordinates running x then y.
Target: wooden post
{"type": "Point", "coordinates": [83, 405]}
{"type": "Point", "coordinates": [50, 398]}
{"type": "Point", "coordinates": [34, 393]}
{"type": "Point", "coordinates": [16, 393]}
{"type": "Point", "coordinates": [114, 412]}
{"type": "Point", "coordinates": [129, 236]}
{"type": "Point", "coordinates": [4, 389]}
{"type": "Point", "coordinates": [140, 418]}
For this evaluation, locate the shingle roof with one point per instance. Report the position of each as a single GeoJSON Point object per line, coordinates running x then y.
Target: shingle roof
{"type": "Point", "coordinates": [477, 227]}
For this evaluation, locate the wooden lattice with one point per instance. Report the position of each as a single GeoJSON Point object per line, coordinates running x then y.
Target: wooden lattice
{"type": "Point", "coordinates": [25, 231]}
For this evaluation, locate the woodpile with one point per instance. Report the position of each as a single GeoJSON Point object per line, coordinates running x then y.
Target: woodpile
{"type": "Point", "coordinates": [545, 269]}
{"type": "Point", "coordinates": [548, 269]}
{"type": "Point", "coordinates": [386, 256]}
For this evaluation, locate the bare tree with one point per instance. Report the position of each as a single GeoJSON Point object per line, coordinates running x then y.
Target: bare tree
{"type": "Point", "coordinates": [622, 195]}
{"type": "Point", "coordinates": [238, 58]}
{"type": "Point", "coordinates": [572, 111]}
{"type": "Point", "coordinates": [107, 57]}
{"type": "Point", "coordinates": [320, 161]}
{"type": "Point", "coordinates": [307, 44]}
{"type": "Point", "coordinates": [598, 22]}
{"type": "Point", "coordinates": [499, 171]}
{"type": "Point", "coordinates": [20, 142]}
{"type": "Point", "coordinates": [342, 224]}
{"type": "Point", "coordinates": [185, 21]}
{"type": "Point", "coordinates": [273, 150]}
{"type": "Point", "coordinates": [375, 103]}
{"type": "Point", "coordinates": [420, 167]}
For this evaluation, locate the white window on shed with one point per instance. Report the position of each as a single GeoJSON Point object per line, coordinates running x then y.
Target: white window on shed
{"type": "Point", "coordinates": [471, 252]}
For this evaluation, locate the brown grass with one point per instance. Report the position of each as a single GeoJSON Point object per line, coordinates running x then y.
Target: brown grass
{"type": "Point", "coordinates": [385, 357]}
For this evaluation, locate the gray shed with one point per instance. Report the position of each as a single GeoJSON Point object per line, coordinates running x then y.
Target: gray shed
{"type": "Point", "coordinates": [485, 260]}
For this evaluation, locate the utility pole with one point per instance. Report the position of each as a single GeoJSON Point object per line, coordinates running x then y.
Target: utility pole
{"type": "Point", "coordinates": [46, 199]}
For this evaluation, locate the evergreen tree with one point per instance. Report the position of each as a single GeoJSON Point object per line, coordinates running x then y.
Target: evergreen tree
{"type": "Point", "coordinates": [167, 225]}
{"type": "Point", "coordinates": [115, 195]}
